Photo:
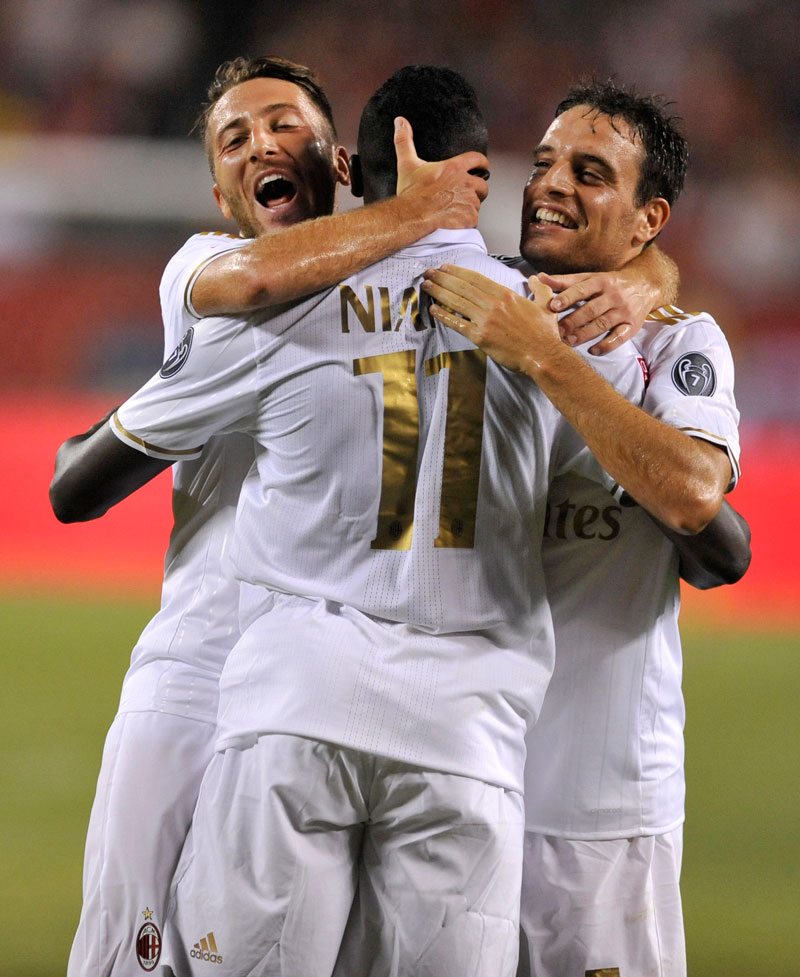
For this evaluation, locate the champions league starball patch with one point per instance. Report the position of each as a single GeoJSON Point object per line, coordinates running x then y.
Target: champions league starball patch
{"type": "Point", "coordinates": [178, 357]}
{"type": "Point", "coordinates": [694, 375]}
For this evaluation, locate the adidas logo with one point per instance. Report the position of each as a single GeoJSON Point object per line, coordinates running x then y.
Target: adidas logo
{"type": "Point", "coordinates": [206, 950]}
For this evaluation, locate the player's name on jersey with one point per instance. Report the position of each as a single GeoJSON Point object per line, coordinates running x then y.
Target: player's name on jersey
{"type": "Point", "coordinates": [377, 308]}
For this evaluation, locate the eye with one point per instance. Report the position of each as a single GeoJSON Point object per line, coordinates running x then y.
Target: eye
{"type": "Point", "coordinates": [589, 176]}
{"type": "Point", "coordinates": [539, 166]}
{"type": "Point", "coordinates": [235, 140]}
{"type": "Point", "coordinates": [285, 124]}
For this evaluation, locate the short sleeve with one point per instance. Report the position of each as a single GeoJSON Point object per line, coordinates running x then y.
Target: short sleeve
{"type": "Point", "coordinates": [691, 384]}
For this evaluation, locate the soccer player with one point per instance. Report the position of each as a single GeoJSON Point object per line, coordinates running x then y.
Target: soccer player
{"type": "Point", "coordinates": [163, 733]}
{"type": "Point", "coordinates": [379, 608]}
{"type": "Point", "coordinates": [162, 737]}
{"type": "Point", "coordinates": [604, 772]}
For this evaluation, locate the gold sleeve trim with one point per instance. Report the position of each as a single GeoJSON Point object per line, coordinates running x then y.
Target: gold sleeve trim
{"type": "Point", "coordinates": [187, 302]}
{"type": "Point", "coordinates": [152, 448]}
{"type": "Point", "coordinates": [720, 441]}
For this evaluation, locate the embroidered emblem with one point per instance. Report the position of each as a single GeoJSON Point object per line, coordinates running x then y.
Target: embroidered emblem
{"type": "Point", "coordinates": [694, 375]}
{"type": "Point", "coordinates": [178, 357]}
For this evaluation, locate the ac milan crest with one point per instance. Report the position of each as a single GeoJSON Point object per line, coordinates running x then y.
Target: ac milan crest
{"type": "Point", "coordinates": [148, 946]}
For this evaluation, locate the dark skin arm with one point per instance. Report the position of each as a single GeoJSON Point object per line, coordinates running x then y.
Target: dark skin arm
{"type": "Point", "coordinates": [718, 555]}
{"type": "Point", "coordinates": [94, 471]}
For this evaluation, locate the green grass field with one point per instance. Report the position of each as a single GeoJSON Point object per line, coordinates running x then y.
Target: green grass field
{"type": "Point", "coordinates": [62, 665]}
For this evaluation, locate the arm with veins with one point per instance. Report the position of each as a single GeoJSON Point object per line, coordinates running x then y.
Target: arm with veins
{"type": "Point", "coordinates": [315, 254]}
{"type": "Point", "coordinates": [678, 479]}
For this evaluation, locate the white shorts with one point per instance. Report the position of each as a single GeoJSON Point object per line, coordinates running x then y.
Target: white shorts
{"type": "Point", "coordinates": [150, 775]}
{"type": "Point", "coordinates": [286, 830]}
{"type": "Point", "coordinates": [602, 908]}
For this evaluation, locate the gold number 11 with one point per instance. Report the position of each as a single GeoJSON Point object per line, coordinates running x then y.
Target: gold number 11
{"type": "Point", "coordinates": [462, 445]}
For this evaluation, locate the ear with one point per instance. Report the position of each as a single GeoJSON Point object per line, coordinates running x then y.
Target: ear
{"type": "Point", "coordinates": [356, 176]}
{"type": "Point", "coordinates": [653, 216]}
{"type": "Point", "coordinates": [341, 166]}
{"type": "Point", "coordinates": [222, 203]}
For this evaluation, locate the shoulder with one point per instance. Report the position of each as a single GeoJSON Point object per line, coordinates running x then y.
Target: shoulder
{"type": "Point", "coordinates": [186, 264]}
{"type": "Point", "coordinates": [670, 330]}
{"type": "Point", "coordinates": [206, 244]}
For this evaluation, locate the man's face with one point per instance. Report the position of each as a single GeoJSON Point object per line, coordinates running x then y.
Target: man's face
{"type": "Point", "coordinates": [273, 156]}
{"type": "Point", "coordinates": [579, 211]}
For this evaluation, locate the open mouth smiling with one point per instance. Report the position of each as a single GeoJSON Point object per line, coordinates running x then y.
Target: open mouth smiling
{"type": "Point", "coordinates": [274, 190]}
{"type": "Point", "coordinates": [546, 216]}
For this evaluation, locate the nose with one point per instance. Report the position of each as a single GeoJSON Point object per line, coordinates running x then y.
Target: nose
{"type": "Point", "coordinates": [262, 141]}
{"type": "Point", "coordinates": [556, 179]}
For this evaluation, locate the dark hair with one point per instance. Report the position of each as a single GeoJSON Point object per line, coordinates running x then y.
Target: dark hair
{"type": "Point", "coordinates": [666, 153]}
{"type": "Point", "coordinates": [235, 72]}
{"type": "Point", "coordinates": [442, 108]}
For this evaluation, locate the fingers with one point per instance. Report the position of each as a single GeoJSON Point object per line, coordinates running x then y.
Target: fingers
{"type": "Point", "coordinates": [474, 161]}
{"type": "Point", "coordinates": [596, 310]}
{"type": "Point", "coordinates": [449, 318]}
{"type": "Point", "coordinates": [571, 289]}
{"type": "Point", "coordinates": [447, 298]}
{"type": "Point", "coordinates": [455, 277]}
{"type": "Point", "coordinates": [404, 147]}
{"type": "Point", "coordinates": [616, 337]}
{"type": "Point", "coordinates": [541, 293]}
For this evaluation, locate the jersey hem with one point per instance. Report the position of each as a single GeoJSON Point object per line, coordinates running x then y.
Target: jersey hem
{"type": "Point", "coordinates": [641, 831]}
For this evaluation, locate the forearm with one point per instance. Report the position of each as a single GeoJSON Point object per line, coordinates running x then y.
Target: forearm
{"type": "Point", "coordinates": [677, 479]}
{"type": "Point", "coordinates": [312, 255]}
{"type": "Point", "coordinates": [94, 471]}
{"type": "Point", "coordinates": [719, 555]}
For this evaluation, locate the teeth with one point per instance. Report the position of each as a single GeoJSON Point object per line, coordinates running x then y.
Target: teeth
{"type": "Point", "coordinates": [552, 217]}
{"type": "Point", "coordinates": [268, 179]}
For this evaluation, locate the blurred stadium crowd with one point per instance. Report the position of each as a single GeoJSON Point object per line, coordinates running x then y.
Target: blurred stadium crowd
{"type": "Point", "coordinates": [100, 68]}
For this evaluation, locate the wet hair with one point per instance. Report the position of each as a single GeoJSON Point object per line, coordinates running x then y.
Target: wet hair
{"type": "Point", "coordinates": [666, 153]}
{"type": "Point", "coordinates": [443, 110]}
{"type": "Point", "coordinates": [235, 72]}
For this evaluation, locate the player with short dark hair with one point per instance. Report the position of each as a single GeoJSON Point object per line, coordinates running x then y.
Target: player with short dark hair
{"type": "Point", "coordinates": [604, 769]}
{"type": "Point", "coordinates": [420, 90]}
{"type": "Point", "coordinates": [665, 153]}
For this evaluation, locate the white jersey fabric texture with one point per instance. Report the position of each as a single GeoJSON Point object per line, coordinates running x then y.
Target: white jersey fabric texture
{"type": "Point", "coordinates": [399, 498]}
{"type": "Point", "coordinates": [163, 735]}
{"type": "Point", "coordinates": [608, 908]}
{"type": "Point", "coordinates": [605, 759]}
{"type": "Point", "coordinates": [176, 663]}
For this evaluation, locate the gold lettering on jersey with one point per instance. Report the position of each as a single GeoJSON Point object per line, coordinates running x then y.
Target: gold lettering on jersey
{"type": "Point", "coordinates": [408, 308]}
{"type": "Point", "coordinates": [409, 305]}
{"type": "Point", "coordinates": [386, 309]}
{"type": "Point", "coordinates": [603, 972]}
{"type": "Point", "coordinates": [462, 445]}
{"type": "Point", "coordinates": [349, 300]}
{"type": "Point", "coordinates": [400, 446]}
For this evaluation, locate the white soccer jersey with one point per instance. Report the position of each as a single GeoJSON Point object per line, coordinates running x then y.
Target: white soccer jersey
{"type": "Point", "coordinates": [605, 759]}
{"type": "Point", "coordinates": [398, 498]}
{"type": "Point", "coordinates": [176, 663]}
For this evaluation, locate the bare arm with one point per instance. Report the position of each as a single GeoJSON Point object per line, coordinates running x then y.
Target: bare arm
{"type": "Point", "coordinates": [680, 480]}
{"type": "Point", "coordinates": [94, 471]}
{"type": "Point", "coordinates": [718, 555]}
{"type": "Point", "coordinates": [316, 254]}
{"type": "Point", "coordinates": [616, 303]}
